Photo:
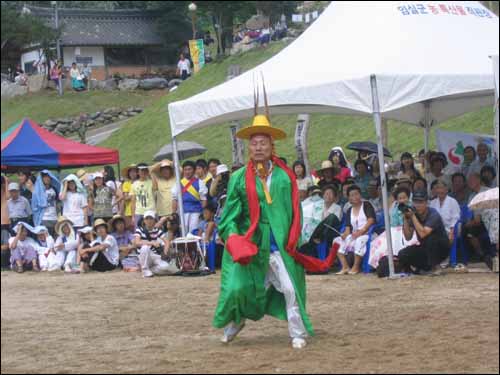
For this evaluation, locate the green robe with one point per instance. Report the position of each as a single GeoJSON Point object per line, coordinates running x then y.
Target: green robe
{"type": "Point", "coordinates": [243, 294]}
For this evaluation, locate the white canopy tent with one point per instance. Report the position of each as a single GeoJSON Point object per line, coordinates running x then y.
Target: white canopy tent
{"type": "Point", "coordinates": [415, 62]}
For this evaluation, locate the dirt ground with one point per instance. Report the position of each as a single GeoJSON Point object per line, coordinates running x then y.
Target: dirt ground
{"type": "Point", "coordinates": [121, 323]}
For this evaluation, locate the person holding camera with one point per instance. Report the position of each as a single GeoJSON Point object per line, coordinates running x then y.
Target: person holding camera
{"type": "Point", "coordinates": [151, 242]}
{"type": "Point", "coordinates": [218, 188]}
{"type": "Point", "coordinates": [433, 246]}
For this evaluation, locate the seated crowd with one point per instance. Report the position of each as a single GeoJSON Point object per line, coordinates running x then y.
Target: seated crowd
{"type": "Point", "coordinates": [92, 221]}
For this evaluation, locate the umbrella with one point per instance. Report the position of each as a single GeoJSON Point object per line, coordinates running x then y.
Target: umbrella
{"type": "Point", "coordinates": [184, 148]}
{"type": "Point", "coordinates": [486, 200]}
{"type": "Point", "coordinates": [369, 147]}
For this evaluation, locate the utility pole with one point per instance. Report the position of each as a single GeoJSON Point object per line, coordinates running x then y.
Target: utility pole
{"type": "Point", "coordinates": [58, 45]}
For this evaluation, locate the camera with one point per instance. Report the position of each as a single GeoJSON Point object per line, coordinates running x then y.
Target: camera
{"type": "Point", "coordinates": [404, 207]}
{"type": "Point", "coordinates": [173, 219]}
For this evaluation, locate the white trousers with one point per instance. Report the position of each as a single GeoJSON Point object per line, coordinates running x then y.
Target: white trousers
{"type": "Point", "coordinates": [358, 246]}
{"type": "Point", "coordinates": [52, 261]}
{"type": "Point", "coordinates": [150, 261]}
{"type": "Point", "coordinates": [70, 258]}
{"type": "Point", "coordinates": [191, 220]}
{"type": "Point", "coordinates": [277, 276]}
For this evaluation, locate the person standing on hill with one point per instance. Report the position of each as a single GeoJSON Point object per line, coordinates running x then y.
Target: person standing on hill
{"type": "Point", "coordinates": [183, 67]}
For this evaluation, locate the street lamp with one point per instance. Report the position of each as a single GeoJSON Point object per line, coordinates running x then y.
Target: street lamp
{"type": "Point", "coordinates": [192, 9]}
{"type": "Point", "coordinates": [58, 47]}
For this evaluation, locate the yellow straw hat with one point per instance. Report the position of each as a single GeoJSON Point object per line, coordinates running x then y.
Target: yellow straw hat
{"type": "Point", "coordinates": [155, 168]}
{"type": "Point", "coordinates": [261, 125]}
{"type": "Point", "coordinates": [62, 220]}
{"type": "Point", "coordinates": [127, 169]}
{"type": "Point", "coordinates": [99, 222]}
{"type": "Point", "coordinates": [111, 222]}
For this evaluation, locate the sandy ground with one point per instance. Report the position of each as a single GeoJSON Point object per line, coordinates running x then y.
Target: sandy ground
{"type": "Point", "coordinates": [107, 323]}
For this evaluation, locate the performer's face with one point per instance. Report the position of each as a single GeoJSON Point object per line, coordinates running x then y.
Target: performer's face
{"type": "Point", "coordinates": [261, 148]}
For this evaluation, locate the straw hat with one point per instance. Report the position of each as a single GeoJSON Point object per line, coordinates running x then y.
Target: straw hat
{"type": "Point", "coordinates": [81, 174]}
{"type": "Point", "coordinates": [165, 163]}
{"type": "Point", "coordinates": [261, 125]}
{"type": "Point", "coordinates": [327, 164]}
{"type": "Point", "coordinates": [404, 178]}
{"type": "Point", "coordinates": [113, 220]}
{"type": "Point", "coordinates": [61, 220]}
{"type": "Point", "coordinates": [100, 222]}
{"type": "Point", "coordinates": [127, 169]}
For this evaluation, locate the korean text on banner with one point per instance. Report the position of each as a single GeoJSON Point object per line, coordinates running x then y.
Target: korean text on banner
{"type": "Point", "coordinates": [197, 51]}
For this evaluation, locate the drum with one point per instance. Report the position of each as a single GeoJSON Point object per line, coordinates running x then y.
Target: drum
{"type": "Point", "coordinates": [189, 254]}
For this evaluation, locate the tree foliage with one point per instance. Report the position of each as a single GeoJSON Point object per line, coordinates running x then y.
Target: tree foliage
{"type": "Point", "coordinates": [20, 29]}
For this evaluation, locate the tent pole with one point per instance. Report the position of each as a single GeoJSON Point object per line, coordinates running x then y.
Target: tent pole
{"type": "Point", "coordinates": [427, 128]}
{"type": "Point", "coordinates": [496, 135]}
{"type": "Point", "coordinates": [427, 135]}
{"type": "Point", "coordinates": [179, 187]}
{"type": "Point", "coordinates": [377, 118]}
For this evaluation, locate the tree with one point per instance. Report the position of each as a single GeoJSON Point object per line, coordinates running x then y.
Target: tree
{"type": "Point", "coordinates": [22, 29]}
{"type": "Point", "coordinates": [223, 14]}
{"type": "Point", "coordinates": [274, 9]}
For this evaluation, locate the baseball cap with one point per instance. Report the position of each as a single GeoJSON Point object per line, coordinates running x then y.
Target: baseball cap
{"type": "Point", "coordinates": [222, 168]}
{"type": "Point", "coordinates": [420, 195]}
{"type": "Point", "coordinates": [13, 186]}
{"type": "Point", "coordinates": [150, 213]}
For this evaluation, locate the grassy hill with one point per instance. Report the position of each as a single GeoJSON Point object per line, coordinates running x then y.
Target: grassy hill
{"type": "Point", "coordinates": [47, 104]}
{"type": "Point", "coordinates": [143, 135]}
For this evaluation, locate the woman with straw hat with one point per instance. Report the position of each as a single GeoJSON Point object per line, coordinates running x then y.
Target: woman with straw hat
{"type": "Point", "coordinates": [67, 244]}
{"type": "Point", "coordinates": [103, 254]}
{"type": "Point", "coordinates": [128, 251]}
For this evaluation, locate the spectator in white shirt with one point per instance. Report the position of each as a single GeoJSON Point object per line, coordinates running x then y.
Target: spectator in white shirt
{"type": "Point", "coordinates": [183, 67]}
{"type": "Point", "coordinates": [330, 197]}
{"type": "Point", "coordinates": [74, 201]}
{"type": "Point", "coordinates": [48, 258]}
{"type": "Point", "coordinates": [66, 244]}
{"type": "Point", "coordinates": [447, 207]}
{"type": "Point", "coordinates": [103, 254]}
{"type": "Point", "coordinates": [19, 207]}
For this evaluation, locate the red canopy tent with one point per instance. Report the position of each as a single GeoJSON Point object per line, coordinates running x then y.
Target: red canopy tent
{"type": "Point", "coordinates": [28, 145]}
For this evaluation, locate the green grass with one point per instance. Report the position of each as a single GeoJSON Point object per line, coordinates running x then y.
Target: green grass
{"type": "Point", "coordinates": [47, 104]}
{"type": "Point", "coordinates": [142, 136]}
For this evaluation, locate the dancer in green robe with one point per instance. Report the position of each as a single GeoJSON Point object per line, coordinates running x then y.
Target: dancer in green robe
{"type": "Point", "coordinates": [269, 281]}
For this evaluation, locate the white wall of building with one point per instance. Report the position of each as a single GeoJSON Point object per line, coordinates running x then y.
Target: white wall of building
{"type": "Point", "coordinates": [29, 57]}
{"type": "Point", "coordinates": [96, 53]}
